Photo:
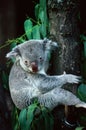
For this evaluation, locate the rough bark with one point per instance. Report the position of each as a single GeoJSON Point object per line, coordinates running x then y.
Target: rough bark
{"type": "Point", "coordinates": [64, 28]}
{"type": "Point", "coordinates": [63, 17]}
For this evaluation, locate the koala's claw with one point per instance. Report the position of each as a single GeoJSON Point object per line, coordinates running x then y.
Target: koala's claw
{"type": "Point", "coordinates": [74, 79]}
{"type": "Point", "coordinates": [77, 79]}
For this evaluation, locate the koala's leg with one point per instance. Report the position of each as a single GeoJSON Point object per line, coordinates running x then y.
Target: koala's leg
{"type": "Point", "coordinates": [60, 96]}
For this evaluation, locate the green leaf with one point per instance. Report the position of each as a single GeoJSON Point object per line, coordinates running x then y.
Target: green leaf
{"type": "Point", "coordinates": [79, 128]}
{"type": "Point", "coordinates": [37, 10]}
{"type": "Point", "coordinates": [28, 28]}
{"type": "Point", "coordinates": [43, 30]}
{"type": "Point", "coordinates": [15, 121]}
{"type": "Point", "coordinates": [36, 32]}
{"type": "Point", "coordinates": [82, 92]}
{"type": "Point", "coordinates": [43, 3]}
{"type": "Point", "coordinates": [41, 14]}
{"type": "Point", "coordinates": [36, 117]}
{"type": "Point", "coordinates": [83, 37]}
{"type": "Point", "coordinates": [12, 45]}
{"type": "Point", "coordinates": [44, 22]}
{"type": "Point", "coordinates": [30, 114]}
{"type": "Point", "coordinates": [23, 119]}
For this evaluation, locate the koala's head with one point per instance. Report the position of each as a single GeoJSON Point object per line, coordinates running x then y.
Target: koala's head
{"type": "Point", "coordinates": [32, 54]}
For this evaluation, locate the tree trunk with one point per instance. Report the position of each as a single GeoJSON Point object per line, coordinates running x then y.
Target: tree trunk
{"type": "Point", "coordinates": [63, 17]}
{"type": "Point", "coordinates": [64, 28]}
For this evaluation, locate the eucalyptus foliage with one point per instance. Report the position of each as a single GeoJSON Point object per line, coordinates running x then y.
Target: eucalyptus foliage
{"type": "Point", "coordinates": [37, 29]}
{"type": "Point", "coordinates": [36, 117]}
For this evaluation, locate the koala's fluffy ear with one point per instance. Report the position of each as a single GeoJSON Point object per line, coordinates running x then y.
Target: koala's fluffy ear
{"type": "Point", "coordinates": [49, 44]}
{"type": "Point", "coordinates": [14, 53]}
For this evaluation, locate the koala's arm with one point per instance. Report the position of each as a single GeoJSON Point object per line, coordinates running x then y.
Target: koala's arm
{"type": "Point", "coordinates": [47, 83]}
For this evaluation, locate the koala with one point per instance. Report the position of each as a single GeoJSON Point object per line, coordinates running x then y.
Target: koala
{"type": "Point", "coordinates": [28, 78]}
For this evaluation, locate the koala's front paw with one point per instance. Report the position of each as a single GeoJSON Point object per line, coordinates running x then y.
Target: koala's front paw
{"type": "Point", "coordinates": [73, 78]}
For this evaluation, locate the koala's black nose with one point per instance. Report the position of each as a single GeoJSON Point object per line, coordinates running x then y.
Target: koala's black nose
{"type": "Point", "coordinates": [34, 67]}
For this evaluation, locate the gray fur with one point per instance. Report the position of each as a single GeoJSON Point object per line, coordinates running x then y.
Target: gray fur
{"type": "Point", "coordinates": [28, 78]}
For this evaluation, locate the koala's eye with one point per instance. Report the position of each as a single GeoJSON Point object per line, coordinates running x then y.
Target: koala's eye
{"type": "Point", "coordinates": [41, 59]}
{"type": "Point", "coordinates": [25, 62]}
